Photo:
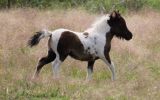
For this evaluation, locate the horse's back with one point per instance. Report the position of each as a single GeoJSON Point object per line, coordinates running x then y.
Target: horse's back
{"type": "Point", "coordinates": [64, 37]}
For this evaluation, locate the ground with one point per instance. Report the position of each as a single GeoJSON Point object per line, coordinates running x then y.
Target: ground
{"type": "Point", "coordinates": [137, 61]}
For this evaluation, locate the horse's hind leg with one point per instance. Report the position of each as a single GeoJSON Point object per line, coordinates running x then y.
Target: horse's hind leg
{"type": "Point", "coordinates": [44, 60]}
{"type": "Point", "coordinates": [57, 62]}
{"type": "Point", "coordinates": [55, 65]}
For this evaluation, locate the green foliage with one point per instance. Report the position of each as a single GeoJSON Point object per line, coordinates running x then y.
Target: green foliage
{"type": "Point", "coordinates": [98, 5]}
{"type": "Point", "coordinates": [135, 4]}
{"type": "Point", "coordinates": [154, 4]}
{"type": "Point", "coordinates": [90, 5]}
{"type": "Point", "coordinates": [3, 3]}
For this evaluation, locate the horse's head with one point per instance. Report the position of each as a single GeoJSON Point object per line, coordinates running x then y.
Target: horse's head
{"type": "Point", "coordinates": [118, 26]}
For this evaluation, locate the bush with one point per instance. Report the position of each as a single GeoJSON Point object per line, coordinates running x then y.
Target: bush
{"type": "Point", "coordinates": [154, 4]}
{"type": "Point", "coordinates": [90, 5]}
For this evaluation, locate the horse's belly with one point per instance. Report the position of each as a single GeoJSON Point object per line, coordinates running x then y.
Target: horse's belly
{"type": "Point", "coordinates": [83, 56]}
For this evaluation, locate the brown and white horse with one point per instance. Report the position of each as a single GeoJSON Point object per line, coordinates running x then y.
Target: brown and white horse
{"type": "Point", "coordinates": [90, 45]}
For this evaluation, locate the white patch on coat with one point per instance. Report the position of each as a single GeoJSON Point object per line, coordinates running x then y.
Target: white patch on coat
{"type": "Point", "coordinates": [97, 30]}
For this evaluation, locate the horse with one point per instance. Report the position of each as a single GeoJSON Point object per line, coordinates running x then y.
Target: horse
{"type": "Point", "coordinates": [92, 44]}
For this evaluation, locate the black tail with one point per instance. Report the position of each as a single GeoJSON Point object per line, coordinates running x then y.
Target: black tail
{"type": "Point", "coordinates": [34, 40]}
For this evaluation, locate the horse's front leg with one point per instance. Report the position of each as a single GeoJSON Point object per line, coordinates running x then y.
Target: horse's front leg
{"type": "Point", "coordinates": [110, 64]}
{"type": "Point", "coordinates": [90, 70]}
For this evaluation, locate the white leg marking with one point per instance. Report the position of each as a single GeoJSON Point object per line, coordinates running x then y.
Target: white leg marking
{"type": "Point", "coordinates": [89, 74]}
{"type": "Point", "coordinates": [35, 75]}
{"type": "Point", "coordinates": [55, 65]}
{"type": "Point", "coordinates": [112, 68]}
{"type": "Point", "coordinates": [113, 71]}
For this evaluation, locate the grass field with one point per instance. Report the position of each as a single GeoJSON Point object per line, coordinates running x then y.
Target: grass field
{"type": "Point", "coordinates": [137, 61]}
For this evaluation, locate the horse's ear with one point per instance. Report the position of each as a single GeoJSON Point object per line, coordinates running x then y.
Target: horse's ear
{"type": "Point", "coordinates": [113, 14]}
{"type": "Point", "coordinates": [118, 12]}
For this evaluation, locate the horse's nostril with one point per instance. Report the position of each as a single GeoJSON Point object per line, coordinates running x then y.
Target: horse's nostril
{"type": "Point", "coordinates": [130, 37]}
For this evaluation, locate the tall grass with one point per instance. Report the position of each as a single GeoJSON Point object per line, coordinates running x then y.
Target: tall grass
{"type": "Point", "coordinates": [137, 61]}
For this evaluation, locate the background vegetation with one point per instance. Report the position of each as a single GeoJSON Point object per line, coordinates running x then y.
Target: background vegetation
{"type": "Point", "coordinates": [137, 61]}
{"type": "Point", "coordinates": [91, 5]}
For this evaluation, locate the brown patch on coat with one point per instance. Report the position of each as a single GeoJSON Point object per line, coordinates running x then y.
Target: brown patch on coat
{"type": "Point", "coordinates": [70, 44]}
{"type": "Point", "coordinates": [86, 34]}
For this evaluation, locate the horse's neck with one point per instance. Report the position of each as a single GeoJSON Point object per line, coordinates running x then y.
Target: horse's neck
{"type": "Point", "coordinates": [109, 36]}
{"type": "Point", "coordinates": [94, 31]}
{"type": "Point", "coordinates": [100, 29]}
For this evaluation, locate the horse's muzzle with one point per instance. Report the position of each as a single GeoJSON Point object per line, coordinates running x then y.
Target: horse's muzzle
{"type": "Point", "coordinates": [129, 36]}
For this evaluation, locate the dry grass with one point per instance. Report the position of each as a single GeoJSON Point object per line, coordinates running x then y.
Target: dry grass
{"type": "Point", "coordinates": [137, 61]}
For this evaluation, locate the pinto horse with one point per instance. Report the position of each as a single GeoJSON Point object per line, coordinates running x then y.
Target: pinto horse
{"type": "Point", "coordinates": [90, 45]}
